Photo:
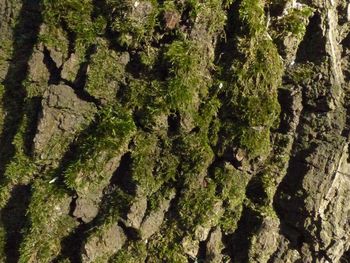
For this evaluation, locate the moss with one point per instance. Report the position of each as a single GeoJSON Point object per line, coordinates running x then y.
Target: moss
{"type": "Point", "coordinates": [186, 78]}
{"type": "Point", "coordinates": [302, 73]}
{"type": "Point", "coordinates": [115, 206]}
{"type": "Point", "coordinates": [196, 155]}
{"type": "Point", "coordinates": [149, 56]}
{"type": "Point", "coordinates": [156, 199]}
{"type": "Point", "coordinates": [166, 245]}
{"type": "Point", "coordinates": [230, 186]}
{"type": "Point", "coordinates": [76, 15]}
{"type": "Point", "coordinates": [114, 129]}
{"type": "Point", "coordinates": [6, 50]}
{"type": "Point", "coordinates": [135, 252]}
{"type": "Point", "coordinates": [293, 23]}
{"type": "Point", "coordinates": [106, 71]}
{"type": "Point", "coordinates": [198, 207]}
{"type": "Point", "coordinates": [132, 22]}
{"type": "Point", "coordinates": [144, 155]}
{"type": "Point", "coordinates": [254, 81]}
{"type": "Point", "coordinates": [49, 223]}
{"type": "Point", "coordinates": [22, 167]}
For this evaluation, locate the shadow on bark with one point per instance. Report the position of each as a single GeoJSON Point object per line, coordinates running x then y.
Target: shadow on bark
{"type": "Point", "coordinates": [25, 37]}
{"type": "Point", "coordinates": [13, 217]}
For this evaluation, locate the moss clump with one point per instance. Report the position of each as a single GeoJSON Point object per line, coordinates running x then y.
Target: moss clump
{"type": "Point", "coordinates": [106, 72]}
{"type": "Point", "coordinates": [293, 23]}
{"type": "Point", "coordinates": [76, 15]}
{"type": "Point", "coordinates": [231, 186]}
{"type": "Point", "coordinates": [49, 223]}
{"type": "Point", "coordinates": [133, 22]}
{"type": "Point", "coordinates": [166, 245]}
{"type": "Point", "coordinates": [135, 252]}
{"type": "Point", "coordinates": [114, 129]}
{"type": "Point", "coordinates": [144, 156]}
{"type": "Point", "coordinates": [196, 156]}
{"type": "Point", "coordinates": [199, 207]}
{"type": "Point", "coordinates": [186, 78]}
{"type": "Point", "coordinates": [251, 91]}
{"type": "Point", "coordinates": [22, 168]}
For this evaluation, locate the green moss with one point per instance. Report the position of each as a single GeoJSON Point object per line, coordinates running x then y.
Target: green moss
{"type": "Point", "coordinates": [115, 207]}
{"type": "Point", "coordinates": [109, 138]}
{"type": "Point", "coordinates": [166, 245]}
{"type": "Point", "coordinates": [293, 23]}
{"type": "Point", "coordinates": [133, 22]}
{"type": "Point", "coordinates": [135, 252]}
{"type": "Point", "coordinates": [231, 187]}
{"type": "Point", "coordinates": [251, 91]}
{"type": "Point", "coordinates": [106, 71]}
{"type": "Point", "coordinates": [76, 15]}
{"type": "Point", "coordinates": [22, 167]}
{"type": "Point", "coordinates": [196, 155]}
{"type": "Point", "coordinates": [198, 207]}
{"type": "Point", "coordinates": [49, 223]}
{"type": "Point", "coordinates": [144, 155]}
{"type": "Point", "coordinates": [251, 13]}
{"type": "Point", "coordinates": [302, 73]}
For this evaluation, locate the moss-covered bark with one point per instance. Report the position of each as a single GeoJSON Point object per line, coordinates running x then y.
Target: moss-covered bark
{"type": "Point", "coordinates": [173, 131]}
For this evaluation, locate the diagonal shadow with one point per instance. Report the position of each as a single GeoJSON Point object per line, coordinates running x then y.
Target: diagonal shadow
{"type": "Point", "coordinates": [25, 37]}
{"type": "Point", "coordinates": [13, 217]}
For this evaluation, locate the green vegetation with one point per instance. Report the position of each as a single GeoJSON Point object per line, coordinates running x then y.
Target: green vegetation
{"type": "Point", "coordinates": [293, 23]}
{"type": "Point", "coordinates": [134, 21]}
{"type": "Point", "coordinates": [165, 101]}
{"type": "Point", "coordinates": [136, 252]}
{"type": "Point", "coordinates": [232, 185]}
{"type": "Point", "coordinates": [109, 138]}
{"type": "Point", "coordinates": [49, 223]}
{"type": "Point", "coordinates": [251, 92]}
{"type": "Point", "coordinates": [76, 15]}
{"type": "Point", "coordinates": [106, 70]}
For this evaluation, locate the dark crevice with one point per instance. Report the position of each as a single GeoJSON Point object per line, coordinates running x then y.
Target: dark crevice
{"type": "Point", "coordinates": [256, 191]}
{"type": "Point", "coordinates": [130, 232]}
{"type": "Point", "coordinates": [33, 110]}
{"type": "Point", "coordinates": [71, 37]}
{"type": "Point", "coordinates": [80, 81]}
{"type": "Point", "coordinates": [173, 123]}
{"type": "Point", "coordinates": [14, 219]}
{"type": "Point", "coordinates": [312, 48]}
{"type": "Point", "coordinates": [202, 251]}
{"type": "Point", "coordinates": [122, 176]}
{"type": "Point", "coordinates": [55, 72]}
{"type": "Point", "coordinates": [345, 257]}
{"type": "Point", "coordinates": [237, 244]}
{"type": "Point", "coordinates": [71, 245]}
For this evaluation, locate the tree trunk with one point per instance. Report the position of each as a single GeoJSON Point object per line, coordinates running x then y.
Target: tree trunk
{"type": "Point", "coordinates": [174, 131]}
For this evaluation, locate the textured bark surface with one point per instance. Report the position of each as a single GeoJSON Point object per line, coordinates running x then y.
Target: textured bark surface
{"type": "Point", "coordinates": [174, 131]}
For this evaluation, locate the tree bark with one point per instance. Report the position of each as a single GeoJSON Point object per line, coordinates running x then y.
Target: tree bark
{"type": "Point", "coordinates": [174, 131]}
